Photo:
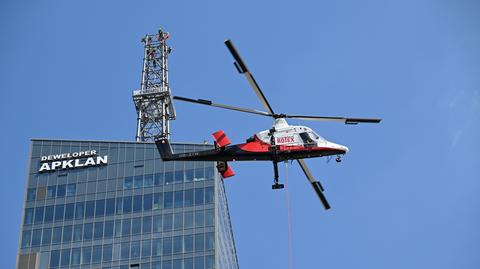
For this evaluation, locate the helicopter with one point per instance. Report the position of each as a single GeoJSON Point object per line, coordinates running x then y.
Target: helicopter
{"type": "Point", "coordinates": [281, 142]}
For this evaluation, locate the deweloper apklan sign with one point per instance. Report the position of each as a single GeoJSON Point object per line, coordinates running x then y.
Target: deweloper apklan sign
{"type": "Point", "coordinates": [71, 160]}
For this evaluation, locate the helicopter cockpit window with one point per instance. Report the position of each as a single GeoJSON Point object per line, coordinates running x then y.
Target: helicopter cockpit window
{"type": "Point", "coordinates": [306, 138]}
{"type": "Point", "coordinates": [315, 136]}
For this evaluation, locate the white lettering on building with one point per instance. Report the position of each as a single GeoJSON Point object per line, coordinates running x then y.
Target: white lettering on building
{"type": "Point", "coordinates": [71, 160]}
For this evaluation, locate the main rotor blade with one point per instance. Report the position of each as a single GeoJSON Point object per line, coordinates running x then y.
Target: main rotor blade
{"type": "Point", "coordinates": [242, 68]}
{"type": "Point", "coordinates": [337, 119]}
{"type": "Point", "coordinates": [210, 103]}
{"type": "Point", "coordinates": [315, 184]}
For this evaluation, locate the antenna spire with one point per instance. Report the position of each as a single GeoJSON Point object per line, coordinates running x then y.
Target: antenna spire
{"type": "Point", "coordinates": [153, 101]}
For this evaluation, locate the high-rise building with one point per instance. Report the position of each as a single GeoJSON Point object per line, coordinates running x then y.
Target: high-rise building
{"type": "Point", "coordinates": [116, 205]}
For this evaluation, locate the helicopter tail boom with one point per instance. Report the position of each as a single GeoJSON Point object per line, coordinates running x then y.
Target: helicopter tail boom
{"type": "Point", "coordinates": [165, 149]}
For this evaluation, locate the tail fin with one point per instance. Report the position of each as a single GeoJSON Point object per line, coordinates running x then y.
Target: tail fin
{"type": "Point", "coordinates": [164, 149]}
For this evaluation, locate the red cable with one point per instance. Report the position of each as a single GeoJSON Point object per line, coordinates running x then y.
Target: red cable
{"type": "Point", "coordinates": [289, 216]}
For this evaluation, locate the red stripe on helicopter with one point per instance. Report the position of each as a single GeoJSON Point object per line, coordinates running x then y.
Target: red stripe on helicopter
{"type": "Point", "coordinates": [260, 146]}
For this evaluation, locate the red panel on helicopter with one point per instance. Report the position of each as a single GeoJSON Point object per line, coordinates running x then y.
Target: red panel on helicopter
{"type": "Point", "coordinates": [228, 173]}
{"type": "Point", "coordinates": [221, 138]}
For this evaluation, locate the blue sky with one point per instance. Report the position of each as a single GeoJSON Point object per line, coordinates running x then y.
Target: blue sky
{"type": "Point", "coordinates": [405, 196]}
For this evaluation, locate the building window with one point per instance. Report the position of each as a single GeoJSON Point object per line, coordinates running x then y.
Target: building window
{"type": "Point", "coordinates": [99, 208]}
{"type": "Point", "coordinates": [61, 190]}
{"type": "Point", "coordinates": [97, 254]}
{"type": "Point", "coordinates": [147, 225]}
{"type": "Point", "coordinates": [137, 203]}
{"type": "Point", "coordinates": [188, 263]}
{"type": "Point", "coordinates": [199, 219]}
{"type": "Point", "coordinates": [209, 241]}
{"type": "Point", "coordinates": [177, 244]}
{"type": "Point", "coordinates": [168, 200]}
{"type": "Point", "coordinates": [41, 191]}
{"type": "Point", "coordinates": [36, 237]}
{"type": "Point", "coordinates": [57, 235]}
{"type": "Point", "coordinates": [179, 177]}
{"type": "Point", "coordinates": [71, 189]}
{"type": "Point", "coordinates": [147, 202]}
{"type": "Point", "coordinates": [67, 234]}
{"type": "Point", "coordinates": [168, 178]}
{"type": "Point", "coordinates": [119, 205]}
{"type": "Point", "coordinates": [210, 262]}
{"type": "Point", "coordinates": [76, 256]}
{"type": "Point", "coordinates": [39, 211]}
{"type": "Point", "coordinates": [26, 236]}
{"type": "Point", "coordinates": [109, 227]}
{"type": "Point", "coordinates": [188, 243]}
{"type": "Point", "coordinates": [65, 257]}
{"type": "Point", "coordinates": [49, 210]}
{"type": "Point", "coordinates": [157, 201]}
{"type": "Point", "coordinates": [126, 227]}
{"type": "Point", "coordinates": [138, 182]}
{"type": "Point", "coordinates": [51, 191]}
{"type": "Point", "coordinates": [110, 207]}
{"type": "Point", "coordinates": [209, 217]}
{"type": "Point", "coordinates": [199, 192]}
{"type": "Point", "coordinates": [31, 194]}
{"type": "Point", "coordinates": [135, 250]}
{"type": "Point", "coordinates": [59, 212]}
{"type": "Point", "coordinates": [188, 220]}
{"type": "Point", "coordinates": [167, 246]}
{"type": "Point", "coordinates": [79, 210]}
{"type": "Point", "coordinates": [77, 232]}
{"type": "Point", "coordinates": [178, 221]}
{"type": "Point", "coordinates": [156, 247]}
{"type": "Point", "coordinates": [69, 211]}
{"type": "Point", "coordinates": [89, 209]}
{"type": "Point", "coordinates": [146, 248]}
{"type": "Point", "coordinates": [98, 230]}
{"type": "Point", "coordinates": [148, 181]}
{"type": "Point", "coordinates": [54, 258]}
{"type": "Point", "coordinates": [178, 264]}
{"type": "Point", "coordinates": [178, 199]}
{"type": "Point", "coordinates": [118, 228]}
{"type": "Point", "coordinates": [199, 174]}
{"type": "Point", "coordinates": [209, 195]}
{"type": "Point", "coordinates": [136, 226]}
{"type": "Point", "coordinates": [188, 197]}
{"type": "Point", "coordinates": [167, 222]}
{"type": "Point", "coordinates": [87, 231]}
{"type": "Point", "coordinates": [47, 237]}
{"type": "Point", "coordinates": [189, 175]}
{"type": "Point", "coordinates": [157, 223]}
{"type": "Point", "coordinates": [86, 255]}
{"type": "Point", "coordinates": [125, 250]}
{"type": "Point", "coordinates": [107, 253]}
{"type": "Point", "coordinates": [127, 204]}
{"type": "Point", "coordinates": [128, 183]}
{"type": "Point", "coordinates": [28, 218]}
{"type": "Point", "coordinates": [199, 262]}
{"type": "Point", "coordinates": [158, 179]}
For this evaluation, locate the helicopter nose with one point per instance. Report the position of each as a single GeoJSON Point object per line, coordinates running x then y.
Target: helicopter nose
{"type": "Point", "coordinates": [340, 147]}
{"type": "Point", "coordinates": [344, 148]}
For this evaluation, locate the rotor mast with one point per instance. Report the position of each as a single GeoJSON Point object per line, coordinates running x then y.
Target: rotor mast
{"type": "Point", "coordinates": [153, 101]}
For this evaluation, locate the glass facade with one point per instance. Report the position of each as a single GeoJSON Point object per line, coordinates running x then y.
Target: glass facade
{"type": "Point", "coordinates": [134, 211]}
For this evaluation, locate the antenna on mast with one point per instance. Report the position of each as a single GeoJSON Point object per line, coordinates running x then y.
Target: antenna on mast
{"type": "Point", "coordinates": [153, 101]}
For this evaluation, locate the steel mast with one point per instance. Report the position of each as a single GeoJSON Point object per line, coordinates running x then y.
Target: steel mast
{"type": "Point", "coordinates": [153, 101]}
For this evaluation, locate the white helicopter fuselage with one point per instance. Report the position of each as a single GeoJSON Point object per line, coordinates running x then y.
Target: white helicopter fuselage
{"type": "Point", "coordinates": [290, 135]}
